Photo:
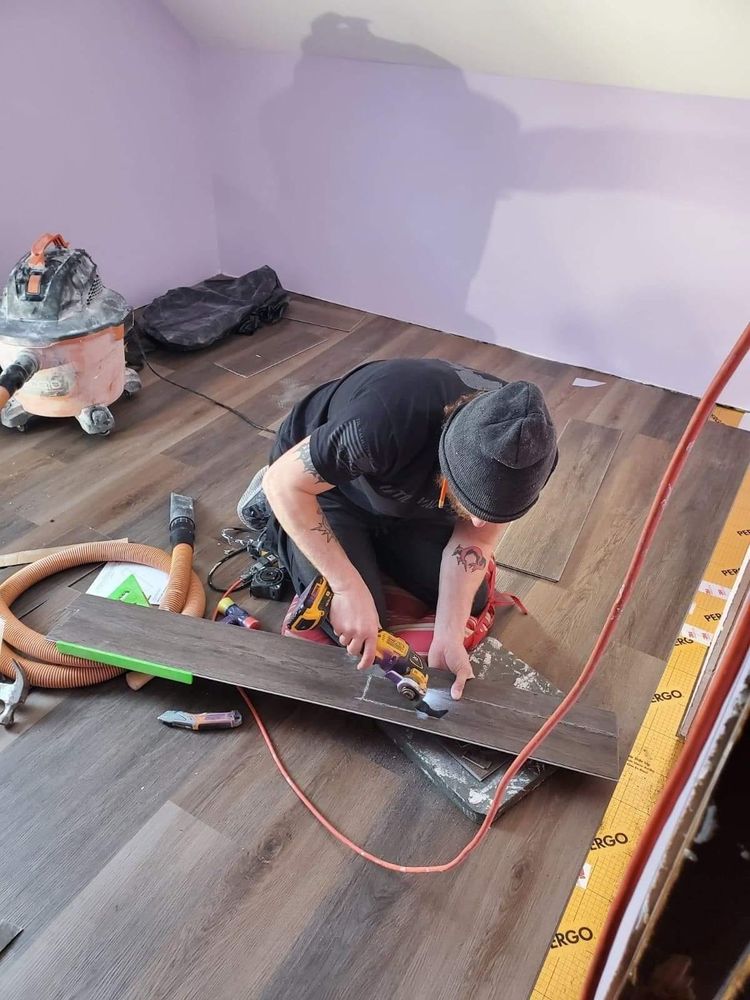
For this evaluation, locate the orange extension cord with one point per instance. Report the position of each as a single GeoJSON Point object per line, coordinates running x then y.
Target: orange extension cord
{"type": "Point", "coordinates": [697, 421]}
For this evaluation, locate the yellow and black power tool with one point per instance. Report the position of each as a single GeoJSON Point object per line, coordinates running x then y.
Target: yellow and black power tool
{"type": "Point", "coordinates": [402, 665]}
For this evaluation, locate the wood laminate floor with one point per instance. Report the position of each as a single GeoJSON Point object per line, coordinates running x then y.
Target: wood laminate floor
{"type": "Point", "coordinates": [541, 543]}
{"type": "Point", "coordinates": [146, 862]}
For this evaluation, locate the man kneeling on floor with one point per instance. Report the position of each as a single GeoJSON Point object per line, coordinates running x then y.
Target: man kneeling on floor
{"type": "Point", "coordinates": [408, 470]}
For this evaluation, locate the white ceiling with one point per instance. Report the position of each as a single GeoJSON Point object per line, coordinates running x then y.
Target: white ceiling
{"type": "Point", "coordinates": [682, 46]}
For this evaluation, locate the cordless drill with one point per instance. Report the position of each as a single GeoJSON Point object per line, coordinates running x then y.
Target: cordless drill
{"type": "Point", "coordinates": [402, 665]}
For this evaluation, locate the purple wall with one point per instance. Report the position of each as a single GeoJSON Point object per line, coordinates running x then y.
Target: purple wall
{"type": "Point", "coordinates": [605, 227]}
{"type": "Point", "coordinates": [596, 225]}
{"type": "Point", "coordinates": [100, 141]}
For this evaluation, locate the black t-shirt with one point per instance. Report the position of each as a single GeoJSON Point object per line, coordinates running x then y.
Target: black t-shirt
{"type": "Point", "coordinates": [374, 433]}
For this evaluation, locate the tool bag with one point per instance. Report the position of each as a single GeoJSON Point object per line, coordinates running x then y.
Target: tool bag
{"type": "Point", "coordinates": [188, 319]}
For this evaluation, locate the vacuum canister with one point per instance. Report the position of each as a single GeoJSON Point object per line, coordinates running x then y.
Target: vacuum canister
{"type": "Point", "coordinates": [62, 340]}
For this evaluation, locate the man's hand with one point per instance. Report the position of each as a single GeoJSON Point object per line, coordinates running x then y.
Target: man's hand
{"type": "Point", "coordinates": [355, 618]}
{"type": "Point", "coordinates": [449, 653]}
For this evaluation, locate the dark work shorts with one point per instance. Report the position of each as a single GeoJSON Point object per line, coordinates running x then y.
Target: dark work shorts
{"type": "Point", "coordinates": [407, 551]}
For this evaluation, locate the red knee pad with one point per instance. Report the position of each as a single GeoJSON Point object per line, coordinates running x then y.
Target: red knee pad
{"type": "Point", "coordinates": [478, 627]}
{"type": "Point", "coordinates": [410, 619]}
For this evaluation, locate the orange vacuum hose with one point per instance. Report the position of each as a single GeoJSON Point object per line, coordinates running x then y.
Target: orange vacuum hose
{"type": "Point", "coordinates": [695, 425]}
{"type": "Point", "coordinates": [45, 666]}
{"type": "Point", "coordinates": [180, 571]}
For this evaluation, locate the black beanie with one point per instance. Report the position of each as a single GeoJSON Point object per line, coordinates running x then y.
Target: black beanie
{"type": "Point", "coordinates": [498, 450]}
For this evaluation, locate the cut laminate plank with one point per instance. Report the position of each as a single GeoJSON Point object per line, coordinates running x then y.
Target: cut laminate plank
{"type": "Point", "coordinates": [540, 543]}
{"type": "Point", "coordinates": [488, 715]}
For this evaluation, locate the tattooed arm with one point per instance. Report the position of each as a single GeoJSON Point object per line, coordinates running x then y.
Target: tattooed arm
{"type": "Point", "coordinates": [292, 486]}
{"type": "Point", "coordinates": [462, 572]}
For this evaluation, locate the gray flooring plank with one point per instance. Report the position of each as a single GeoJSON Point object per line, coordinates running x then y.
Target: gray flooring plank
{"type": "Point", "coordinates": [541, 542]}
{"type": "Point", "coordinates": [492, 715]}
{"type": "Point", "coordinates": [164, 883]}
{"type": "Point", "coordinates": [82, 780]}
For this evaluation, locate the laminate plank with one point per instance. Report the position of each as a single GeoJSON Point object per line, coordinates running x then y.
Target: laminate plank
{"type": "Point", "coordinates": [541, 542]}
{"type": "Point", "coordinates": [337, 917]}
{"type": "Point", "coordinates": [31, 469]}
{"type": "Point", "coordinates": [36, 707]}
{"type": "Point", "coordinates": [109, 497]}
{"type": "Point", "coordinates": [570, 615]}
{"type": "Point", "coordinates": [682, 547]}
{"type": "Point", "coordinates": [567, 401]}
{"type": "Point", "coordinates": [476, 944]}
{"type": "Point", "coordinates": [330, 314]}
{"type": "Point", "coordinates": [12, 528]}
{"type": "Point", "coordinates": [174, 859]}
{"type": "Point", "coordinates": [502, 718]}
{"type": "Point", "coordinates": [354, 777]}
{"type": "Point", "coordinates": [628, 406]}
{"type": "Point", "coordinates": [670, 416]}
{"type": "Point", "coordinates": [81, 782]}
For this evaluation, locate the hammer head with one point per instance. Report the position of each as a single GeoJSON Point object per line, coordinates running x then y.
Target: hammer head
{"type": "Point", "coordinates": [13, 694]}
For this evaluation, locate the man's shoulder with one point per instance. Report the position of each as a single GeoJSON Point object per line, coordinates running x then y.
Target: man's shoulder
{"type": "Point", "coordinates": [427, 371]}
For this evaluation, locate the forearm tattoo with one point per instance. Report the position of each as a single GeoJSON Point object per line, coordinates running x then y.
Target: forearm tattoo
{"type": "Point", "coordinates": [303, 454]}
{"type": "Point", "coordinates": [470, 557]}
{"type": "Point", "coordinates": [323, 528]}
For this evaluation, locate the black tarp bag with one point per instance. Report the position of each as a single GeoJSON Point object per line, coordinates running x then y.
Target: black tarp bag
{"type": "Point", "coordinates": [188, 319]}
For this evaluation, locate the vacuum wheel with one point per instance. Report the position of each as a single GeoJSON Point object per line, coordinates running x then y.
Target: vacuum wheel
{"type": "Point", "coordinates": [14, 415]}
{"type": "Point", "coordinates": [132, 383]}
{"type": "Point", "coordinates": [96, 420]}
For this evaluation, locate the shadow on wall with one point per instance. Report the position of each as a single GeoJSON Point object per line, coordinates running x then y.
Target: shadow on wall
{"type": "Point", "coordinates": [397, 176]}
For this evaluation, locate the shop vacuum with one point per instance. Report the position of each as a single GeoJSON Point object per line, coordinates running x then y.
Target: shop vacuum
{"type": "Point", "coordinates": [62, 340]}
